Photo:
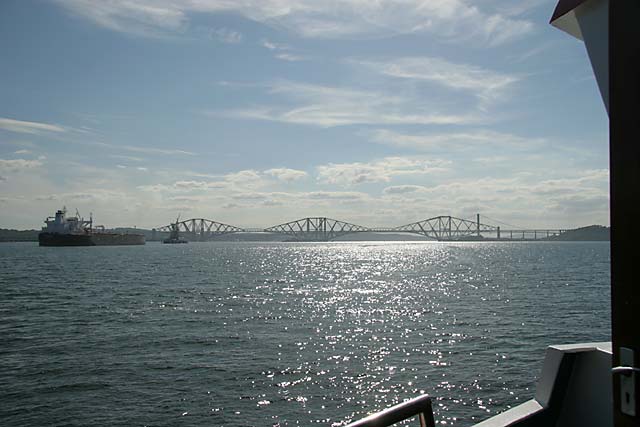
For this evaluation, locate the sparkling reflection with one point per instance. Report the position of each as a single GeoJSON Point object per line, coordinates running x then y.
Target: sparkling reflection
{"type": "Point", "coordinates": [290, 334]}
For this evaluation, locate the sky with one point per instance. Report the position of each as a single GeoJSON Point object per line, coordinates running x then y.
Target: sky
{"type": "Point", "coordinates": [259, 112]}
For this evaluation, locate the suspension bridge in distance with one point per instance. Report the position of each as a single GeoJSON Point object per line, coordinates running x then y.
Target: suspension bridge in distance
{"type": "Point", "coordinates": [322, 229]}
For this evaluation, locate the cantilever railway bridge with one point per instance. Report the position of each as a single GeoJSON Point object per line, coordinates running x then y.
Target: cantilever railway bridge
{"type": "Point", "coordinates": [322, 229]}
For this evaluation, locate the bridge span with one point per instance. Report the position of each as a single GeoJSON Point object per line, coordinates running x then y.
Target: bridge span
{"type": "Point", "coordinates": [323, 229]}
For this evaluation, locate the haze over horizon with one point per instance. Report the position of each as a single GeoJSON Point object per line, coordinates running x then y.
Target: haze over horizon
{"type": "Point", "coordinates": [259, 112]}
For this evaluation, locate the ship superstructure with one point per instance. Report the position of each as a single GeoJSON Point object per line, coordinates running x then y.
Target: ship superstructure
{"type": "Point", "coordinates": [62, 224]}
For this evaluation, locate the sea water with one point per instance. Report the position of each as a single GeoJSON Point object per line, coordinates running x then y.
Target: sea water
{"type": "Point", "coordinates": [263, 334]}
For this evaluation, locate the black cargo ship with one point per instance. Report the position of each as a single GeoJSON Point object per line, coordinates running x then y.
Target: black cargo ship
{"type": "Point", "coordinates": [75, 231]}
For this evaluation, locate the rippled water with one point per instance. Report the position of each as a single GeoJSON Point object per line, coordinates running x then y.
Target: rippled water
{"type": "Point", "coordinates": [226, 334]}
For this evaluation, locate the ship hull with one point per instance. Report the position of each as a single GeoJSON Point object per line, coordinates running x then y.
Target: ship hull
{"type": "Point", "coordinates": [174, 241]}
{"type": "Point", "coordinates": [93, 239]}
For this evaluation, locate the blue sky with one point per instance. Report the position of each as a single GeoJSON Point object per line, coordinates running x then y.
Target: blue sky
{"type": "Point", "coordinates": [257, 112]}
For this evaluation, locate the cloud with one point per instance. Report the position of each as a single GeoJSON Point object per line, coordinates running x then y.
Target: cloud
{"type": "Point", "coordinates": [491, 159]}
{"type": "Point", "coordinates": [285, 174]}
{"type": "Point", "coordinates": [578, 204]}
{"type": "Point", "coordinates": [244, 177]}
{"type": "Point", "coordinates": [459, 140]}
{"type": "Point", "coordinates": [98, 195]}
{"type": "Point", "coordinates": [129, 148]}
{"type": "Point", "coordinates": [271, 203]}
{"type": "Point", "coordinates": [482, 83]}
{"type": "Point", "coordinates": [327, 106]}
{"type": "Point", "coordinates": [571, 198]}
{"type": "Point", "coordinates": [134, 149]}
{"type": "Point", "coordinates": [335, 195]}
{"type": "Point", "coordinates": [249, 196]}
{"type": "Point", "coordinates": [183, 187]}
{"type": "Point", "coordinates": [274, 46]}
{"type": "Point", "coordinates": [226, 35]}
{"type": "Point", "coordinates": [291, 57]}
{"type": "Point", "coordinates": [236, 185]}
{"type": "Point", "coordinates": [450, 20]}
{"type": "Point", "coordinates": [378, 171]}
{"type": "Point", "coordinates": [149, 150]}
{"type": "Point", "coordinates": [143, 17]}
{"type": "Point", "coordinates": [185, 199]}
{"type": "Point", "coordinates": [18, 165]}
{"type": "Point", "coordinates": [532, 52]}
{"type": "Point", "coordinates": [129, 158]}
{"type": "Point", "coordinates": [403, 189]}
{"type": "Point", "coordinates": [283, 51]}
{"type": "Point", "coordinates": [231, 206]}
{"type": "Point", "coordinates": [588, 181]}
{"type": "Point", "coordinates": [34, 128]}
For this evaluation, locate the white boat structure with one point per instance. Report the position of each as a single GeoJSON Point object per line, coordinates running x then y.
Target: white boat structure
{"type": "Point", "coordinates": [592, 384]}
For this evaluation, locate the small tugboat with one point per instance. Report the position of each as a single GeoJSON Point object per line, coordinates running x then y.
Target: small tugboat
{"type": "Point", "coordinates": [62, 230]}
{"type": "Point", "coordinates": [174, 235]}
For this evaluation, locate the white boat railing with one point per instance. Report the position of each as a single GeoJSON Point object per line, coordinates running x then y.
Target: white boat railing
{"type": "Point", "coordinates": [420, 406]}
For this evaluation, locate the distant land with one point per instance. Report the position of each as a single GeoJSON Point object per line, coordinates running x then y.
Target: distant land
{"type": "Point", "coordinates": [7, 235]}
{"type": "Point", "coordinates": [590, 233]}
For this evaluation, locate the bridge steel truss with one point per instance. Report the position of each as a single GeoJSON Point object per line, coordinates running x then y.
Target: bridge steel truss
{"type": "Point", "coordinates": [317, 229]}
{"type": "Point", "coordinates": [200, 229]}
{"type": "Point", "coordinates": [449, 228]}
{"type": "Point", "coordinates": [322, 229]}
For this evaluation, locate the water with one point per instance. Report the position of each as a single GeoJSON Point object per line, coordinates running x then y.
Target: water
{"type": "Point", "coordinates": [254, 334]}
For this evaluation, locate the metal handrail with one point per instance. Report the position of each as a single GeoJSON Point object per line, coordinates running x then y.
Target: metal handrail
{"type": "Point", "coordinates": [420, 406]}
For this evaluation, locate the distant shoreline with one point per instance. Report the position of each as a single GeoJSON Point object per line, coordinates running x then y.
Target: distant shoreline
{"type": "Point", "coordinates": [592, 233]}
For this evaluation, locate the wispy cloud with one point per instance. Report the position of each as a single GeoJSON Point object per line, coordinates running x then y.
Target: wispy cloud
{"type": "Point", "coordinates": [129, 158]}
{"type": "Point", "coordinates": [286, 174]}
{"type": "Point", "coordinates": [485, 84]}
{"type": "Point", "coordinates": [491, 159]}
{"type": "Point", "coordinates": [454, 20]}
{"type": "Point", "coordinates": [131, 148]}
{"type": "Point", "coordinates": [459, 140]}
{"type": "Point", "coordinates": [238, 182]}
{"type": "Point", "coordinates": [283, 51]}
{"type": "Point", "coordinates": [245, 178]}
{"type": "Point", "coordinates": [267, 44]}
{"type": "Point", "coordinates": [596, 179]}
{"type": "Point", "coordinates": [183, 186]}
{"type": "Point", "coordinates": [18, 165]}
{"type": "Point", "coordinates": [532, 52]}
{"type": "Point", "coordinates": [571, 198]}
{"type": "Point", "coordinates": [12, 167]}
{"type": "Point", "coordinates": [285, 56]}
{"type": "Point", "coordinates": [226, 35]}
{"type": "Point", "coordinates": [34, 128]}
{"type": "Point", "coordinates": [403, 189]}
{"type": "Point", "coordinates": [328, 106]}
{"type": "Point", "coordinates": [143, 17]}
{"type": "Point", "coordinates": [151, 150]}
{"type": "Point", "coordinates": [383, 170]}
